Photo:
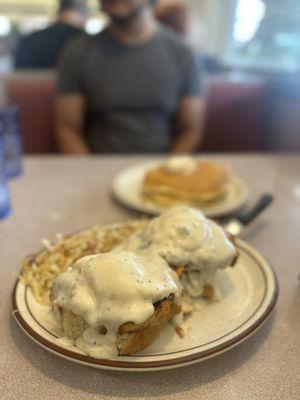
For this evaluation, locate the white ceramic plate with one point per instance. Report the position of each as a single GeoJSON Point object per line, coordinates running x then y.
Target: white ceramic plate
{"type": "Point", "coordinates": [127, 186]}
{"type": "Point", "coordinates": [249, 293]}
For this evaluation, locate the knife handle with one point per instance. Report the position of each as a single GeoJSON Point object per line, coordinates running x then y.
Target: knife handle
{"type": "Point", "coordinates": [263, 202]}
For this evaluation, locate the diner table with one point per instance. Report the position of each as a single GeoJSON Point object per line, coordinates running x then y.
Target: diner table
{"type": "Point", "coordinates": [57, 194]}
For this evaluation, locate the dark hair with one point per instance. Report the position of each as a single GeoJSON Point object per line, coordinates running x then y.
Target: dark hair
{"type": "Point", "coordinates": [79, 5]}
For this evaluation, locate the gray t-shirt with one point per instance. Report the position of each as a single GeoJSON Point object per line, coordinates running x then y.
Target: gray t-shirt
{"type": "Point", "coordinates": [132, 92]}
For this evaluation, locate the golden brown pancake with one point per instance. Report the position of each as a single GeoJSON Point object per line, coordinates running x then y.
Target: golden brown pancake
{"type": "Point", "coordinates": [201, 186]}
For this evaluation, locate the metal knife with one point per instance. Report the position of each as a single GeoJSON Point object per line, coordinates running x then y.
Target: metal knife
{"type": "Point", "coordinates": [241, 220]}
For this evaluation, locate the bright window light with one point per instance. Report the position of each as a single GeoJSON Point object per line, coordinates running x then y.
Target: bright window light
{"type": "Point", "coordinates": [94, 26]}
{"type": "Point", "coordinates": [5, 26]}
{"type": "Point", "coordinates": [248, 18]}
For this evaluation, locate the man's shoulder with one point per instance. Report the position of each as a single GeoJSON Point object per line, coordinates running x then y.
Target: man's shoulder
{"type": "Point", "coordinates": [46, 33]}
{"type": "Point", "coordinates": [172, 39]}
{"type": "Point", "coordinates": [85, 40]}
{"type": "Point", "coordinates": [79, 44]}
{"type": "Point", "coordinates": [33, 37]}
{"type": "Point", "coordinates": [62, 28]}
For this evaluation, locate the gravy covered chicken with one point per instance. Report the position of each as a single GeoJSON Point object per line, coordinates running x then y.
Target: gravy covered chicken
{"type": "Point", "coordinates": [196, 247]}
{"type": "Point", "coordinates": [114, 291]}
{"type": "Point", "coordinates": [116, 303]}
{"type": "Point", "coordinates": [184, 180]}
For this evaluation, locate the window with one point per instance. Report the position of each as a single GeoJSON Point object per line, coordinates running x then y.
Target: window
{"type": "Point", "coordinates": [265, 35]}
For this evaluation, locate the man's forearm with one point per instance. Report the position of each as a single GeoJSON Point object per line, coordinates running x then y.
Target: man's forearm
{"type": "Point", "coordinates": [69, 122]}
{"type": "Point", "coordinates": [186, 142]}
{"type": "Point", "coordinates": [189, 125]}
{"type": "Point", "coordinates": [71, 142]}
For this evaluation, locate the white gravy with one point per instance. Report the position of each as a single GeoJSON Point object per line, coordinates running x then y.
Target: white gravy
{"type": "Point", "coordinates": [184, 237]}
{"type": "Point", "coordinates": [108, 290]}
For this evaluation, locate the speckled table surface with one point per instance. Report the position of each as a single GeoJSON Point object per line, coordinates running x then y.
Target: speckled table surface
{"type": "Point", "coordinates": [63, 195]}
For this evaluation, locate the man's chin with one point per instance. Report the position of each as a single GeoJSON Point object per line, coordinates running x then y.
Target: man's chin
{"type": "Point", "coordinates": [121, 20]}
{"type": "Point", "coordinates": [124, 19]}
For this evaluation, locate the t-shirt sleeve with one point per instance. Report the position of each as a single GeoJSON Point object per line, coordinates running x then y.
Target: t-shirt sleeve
{"type": "Point", "coordinates": [192, 84]}
{"type": "Point", "coordinates": [70, 67]}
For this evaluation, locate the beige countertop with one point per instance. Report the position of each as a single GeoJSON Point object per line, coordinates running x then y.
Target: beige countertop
{"type": "Point", "coordinates": [64, 195]}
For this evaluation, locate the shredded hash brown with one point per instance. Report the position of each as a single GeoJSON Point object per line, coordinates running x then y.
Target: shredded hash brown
{"type": "Point", "coordinates": [40, 270]}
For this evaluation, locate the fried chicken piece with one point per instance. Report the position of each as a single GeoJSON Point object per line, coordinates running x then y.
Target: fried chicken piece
{"type": "Point", "coordinates": [131, 337]}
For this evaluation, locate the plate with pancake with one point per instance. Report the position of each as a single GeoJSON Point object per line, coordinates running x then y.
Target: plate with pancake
{"type": "Point", "coordinates": [182, 290]}
{"type": "Point", "coordinates": [153, 187]}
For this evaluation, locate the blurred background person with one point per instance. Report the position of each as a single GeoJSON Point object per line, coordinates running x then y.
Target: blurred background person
{"type": "Point", "coordinates": [173, 13]}
{"type": "Point", "coordinates": [134, 87]}
{"type": "Point", "coordinates": [42, 49]}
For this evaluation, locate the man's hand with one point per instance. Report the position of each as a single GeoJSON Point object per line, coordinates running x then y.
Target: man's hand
{"type": "Point", "coordinates": [189, 125]}
{"type": "Point", "coordinates": [69, 119]}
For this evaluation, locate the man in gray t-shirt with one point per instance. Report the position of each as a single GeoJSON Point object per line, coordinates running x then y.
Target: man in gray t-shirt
{"type": "Point", "coordinates": [132, 88]}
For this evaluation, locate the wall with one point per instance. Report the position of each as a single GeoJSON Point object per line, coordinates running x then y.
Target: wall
{"type": "Point", "coordinates": [209, 24]}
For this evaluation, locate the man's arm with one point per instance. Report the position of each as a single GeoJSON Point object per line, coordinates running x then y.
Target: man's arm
{"type": "Point", "coordinates": [70, 116]}
{"type": "Point", "coordinates": [189, 125]}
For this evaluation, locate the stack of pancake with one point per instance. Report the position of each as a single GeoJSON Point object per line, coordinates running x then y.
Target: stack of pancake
{"type": "Point", "coordinates": [186, 181]}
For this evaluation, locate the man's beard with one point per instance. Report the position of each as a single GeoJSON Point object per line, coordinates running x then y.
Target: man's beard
{"type": "Point", "coordinates": [126, 20]}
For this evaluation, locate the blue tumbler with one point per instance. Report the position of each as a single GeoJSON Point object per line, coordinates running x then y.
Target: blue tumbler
{"type": "Point", "coordinates": [4, 195]}
{"type": "Point", "coordinates": [10, 132]}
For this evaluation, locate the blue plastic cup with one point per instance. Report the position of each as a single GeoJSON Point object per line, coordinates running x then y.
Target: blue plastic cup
{"type": "Point", "coordinates": [4, 194]}
{"type": "Point", "coordinates": [10, 132]}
